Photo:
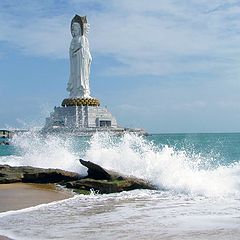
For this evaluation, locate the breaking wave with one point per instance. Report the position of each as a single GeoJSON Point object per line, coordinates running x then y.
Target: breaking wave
{"type": "Point", "coordinates": [163, 165]}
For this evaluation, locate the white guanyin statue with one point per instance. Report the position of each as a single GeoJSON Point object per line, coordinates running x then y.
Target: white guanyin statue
{"type": "Point", "coordinates": [80, 59]}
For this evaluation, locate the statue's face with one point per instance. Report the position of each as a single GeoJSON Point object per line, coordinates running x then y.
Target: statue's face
{"type": "Point", "coordinates": [76, 29]}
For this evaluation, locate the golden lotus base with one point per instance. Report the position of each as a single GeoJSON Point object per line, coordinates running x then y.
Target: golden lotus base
{"type": "Point", "coordinates": [80, 102]}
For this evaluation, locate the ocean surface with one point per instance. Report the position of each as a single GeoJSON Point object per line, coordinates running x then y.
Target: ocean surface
{"type": "Point", "coordinates": [198, 177]}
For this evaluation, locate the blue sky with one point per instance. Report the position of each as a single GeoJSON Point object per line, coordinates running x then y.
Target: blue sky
{"type": "Point", "coordinates": [164, 65]}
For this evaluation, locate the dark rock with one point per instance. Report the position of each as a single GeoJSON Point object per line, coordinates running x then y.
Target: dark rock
{"type": "Point", "coordinates": [132, 183]}
{"type": "Point", "coordinates": [109, 186]}
{"type": "Point", "coordinates": [10, 174]}
{"type": "Point", "coordinates": [95, 171]}
{"type": "Point", "coordinates": [98, 179]}
{"type": "Point", "coordinates": [105, 181]}
{"type": "Point", "coordinates": [2, 175]}
{"type": "Point", "coordinates": [101, 186]}
{"type": "Point", "coordinates": [50, 176]}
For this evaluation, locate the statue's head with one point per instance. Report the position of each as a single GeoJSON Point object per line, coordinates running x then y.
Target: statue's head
{"type": "Point", "coordinates": [82, 22]}
{"type": "Point", "coordinates": [76, 29]}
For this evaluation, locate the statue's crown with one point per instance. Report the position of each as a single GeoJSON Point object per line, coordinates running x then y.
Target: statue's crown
{"type": "Point", "coordinates": [80, 20]}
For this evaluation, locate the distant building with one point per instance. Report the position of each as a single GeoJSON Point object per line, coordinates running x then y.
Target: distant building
{"type": "Point", "coordinates": [6, 134]}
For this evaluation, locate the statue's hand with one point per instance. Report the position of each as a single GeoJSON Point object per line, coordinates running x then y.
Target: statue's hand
{"type": "Point", "coordinates": [75, 51]}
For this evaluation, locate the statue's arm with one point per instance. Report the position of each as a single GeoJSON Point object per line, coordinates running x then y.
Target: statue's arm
{"type": "Point", "coordinates": [75, 48]}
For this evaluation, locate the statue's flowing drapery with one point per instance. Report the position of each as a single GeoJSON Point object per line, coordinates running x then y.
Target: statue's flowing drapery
{"type": "Point", "coordinates": [80, 62]}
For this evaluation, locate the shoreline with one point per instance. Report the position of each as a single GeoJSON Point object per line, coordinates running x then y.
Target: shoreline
{"type": "Point", "coordinates": [16, 196]}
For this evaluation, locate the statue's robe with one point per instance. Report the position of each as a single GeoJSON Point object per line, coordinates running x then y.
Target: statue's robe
{"type": "Point", "coordinates": [80, 61]}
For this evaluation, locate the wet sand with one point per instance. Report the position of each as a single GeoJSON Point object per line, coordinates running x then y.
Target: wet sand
{"type": "Point", "coordinates": [16, 196]}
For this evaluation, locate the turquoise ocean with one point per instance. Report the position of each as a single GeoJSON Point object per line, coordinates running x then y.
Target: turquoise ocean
{"type": "Point", "coordinates": [197, 175]}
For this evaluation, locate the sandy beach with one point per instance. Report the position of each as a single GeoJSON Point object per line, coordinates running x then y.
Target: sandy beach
{"type": "Point", "coordinates": [22, 195]}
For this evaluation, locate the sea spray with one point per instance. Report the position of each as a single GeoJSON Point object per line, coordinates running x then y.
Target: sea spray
{"type": "Point", "coordinates": [165, 166]}
{"type": "Point", "coordinates": [168, 168]}
{"type": "Point", "coordinates": [199, 200]}
{"type": "Point", "coordinates": [45, 151]}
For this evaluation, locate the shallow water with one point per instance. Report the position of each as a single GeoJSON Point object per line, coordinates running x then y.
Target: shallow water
{"type": "Point", "coordinates": [197, 176]}
{"type": "Point", "coordinates": [135, 215]}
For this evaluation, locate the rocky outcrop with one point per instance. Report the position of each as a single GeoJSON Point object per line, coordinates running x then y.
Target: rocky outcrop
{"type": "Point", "coordinates": [109, 186]}
{"type": "Point", "coordinates": [9, 175]}
{"type": "Point", "coordinates": [98, 178]}
{"type": "Point", "coordinates": [28, 174]}
{"type": "Point", "coordinates": [95, 171]}
{"type": "Point", "coordinates": [105, 181]}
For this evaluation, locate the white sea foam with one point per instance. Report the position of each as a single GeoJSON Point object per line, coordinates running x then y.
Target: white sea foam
{"type": "Point", "coordinates": [141, 214]}
{"type": "Point", "coordinates": [48, 151]}
{"type": "Point", "coordinates": [164, 166]}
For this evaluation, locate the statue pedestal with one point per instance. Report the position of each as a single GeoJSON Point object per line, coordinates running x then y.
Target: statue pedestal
{"type": "Point", "coordinates": [80, 102]}
{"type": "Point", "coordinates": [80, 115]}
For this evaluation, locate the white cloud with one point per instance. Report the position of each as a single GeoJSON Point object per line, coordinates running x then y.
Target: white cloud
{"type": "Point", "coordinates": [160, 38]}
{"type": "Point", "coordinates": [147, 37]}
{"type": "Point", "coordinates": [39, 37]}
